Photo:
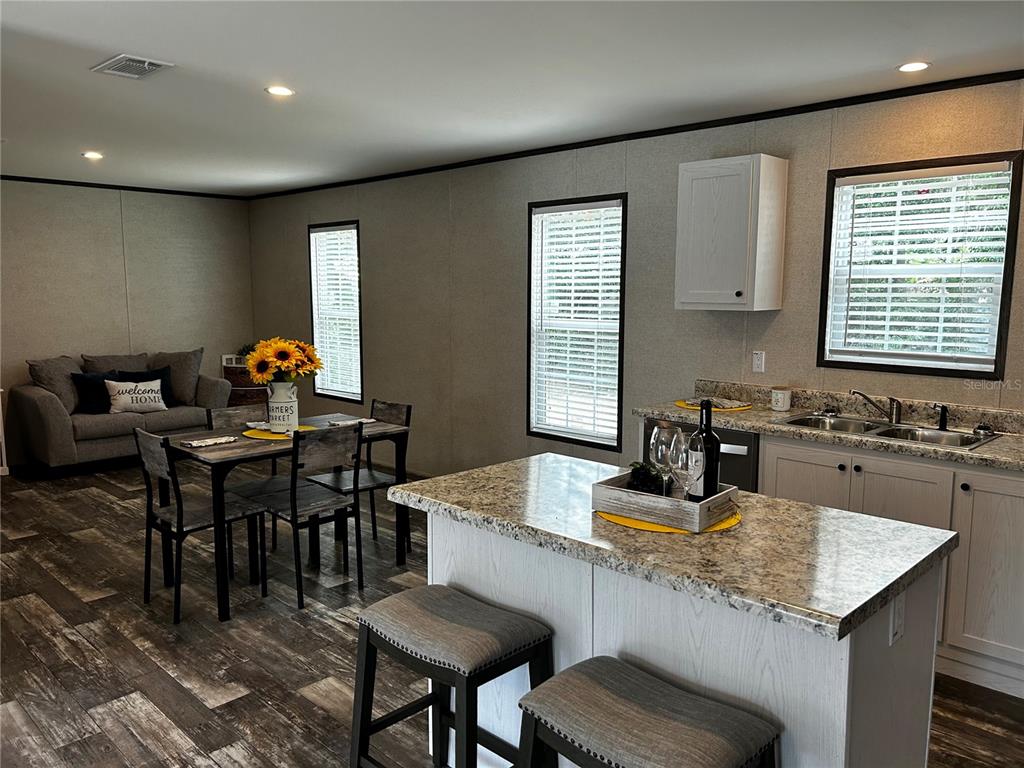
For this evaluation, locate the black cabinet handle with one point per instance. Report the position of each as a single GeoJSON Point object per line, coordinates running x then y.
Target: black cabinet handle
{"type": "Point", "coordinates": [856, 467]}
{"type": "Point", "coordinates": [738, 294]}
{"type": "Point", "coordinates": [841, 467]}
{"type": "Point", "coordinates": [965, 486]}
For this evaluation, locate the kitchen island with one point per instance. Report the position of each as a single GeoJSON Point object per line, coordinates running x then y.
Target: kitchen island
{"type": "Point", "coordinates": [789, 615]}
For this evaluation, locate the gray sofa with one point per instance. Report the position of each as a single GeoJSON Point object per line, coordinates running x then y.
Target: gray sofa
{"type": "Point", "coordinates": [51, 432]}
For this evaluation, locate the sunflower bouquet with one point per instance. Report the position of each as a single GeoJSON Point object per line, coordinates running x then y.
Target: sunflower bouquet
{"type": "Point", "coordinates": [280, 359]}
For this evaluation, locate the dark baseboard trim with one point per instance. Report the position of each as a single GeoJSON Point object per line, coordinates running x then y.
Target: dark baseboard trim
{"type": "Point", "coordinates": [848, 101]}
{"type": "Point", "coordinates": [120, 188]}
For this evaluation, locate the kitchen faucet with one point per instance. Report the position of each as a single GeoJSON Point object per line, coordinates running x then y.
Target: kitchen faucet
{"type": "Point", "coordinates": [895, 412]}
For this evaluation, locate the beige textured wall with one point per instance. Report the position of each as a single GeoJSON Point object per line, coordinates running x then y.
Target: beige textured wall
{"type": "Point", "coordinates": [445, 272]}
{"type": "Point", "coordinates": [103, 271]}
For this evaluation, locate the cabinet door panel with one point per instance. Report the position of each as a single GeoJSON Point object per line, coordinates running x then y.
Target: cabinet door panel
{"type": "Point", "coordinates": [713, 231]}
{"type": "Point", "coordinates": [901, 490]}
{"type": "Point", "coordinates": [986, 572]}
{"type": "Point", "coordinates": [813, 475]}
{"type": "Point", "coordinates": [906, 491]}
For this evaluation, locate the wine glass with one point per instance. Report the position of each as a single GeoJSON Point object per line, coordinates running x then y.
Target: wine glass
{"type": "Point", "coordinates": [662, 441]}
{"type": "Point", "coordinates": [686, 458]}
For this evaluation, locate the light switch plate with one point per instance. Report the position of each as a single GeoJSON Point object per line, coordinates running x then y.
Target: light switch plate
{"type": "Point", "coordinates": [758, 362]}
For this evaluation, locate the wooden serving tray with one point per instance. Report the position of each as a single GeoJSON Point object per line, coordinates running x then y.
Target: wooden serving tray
{"type": "Point", "coordinates": [613, 496]}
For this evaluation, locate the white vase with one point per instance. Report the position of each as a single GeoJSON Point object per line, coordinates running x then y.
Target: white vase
{"type": "Point", "coordinates": [283, 407]}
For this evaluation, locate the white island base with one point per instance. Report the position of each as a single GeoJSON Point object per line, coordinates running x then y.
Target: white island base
{"type": "Point", "coordinates": [857, 701]}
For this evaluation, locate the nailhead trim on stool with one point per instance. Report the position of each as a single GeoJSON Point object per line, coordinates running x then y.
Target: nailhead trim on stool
{"type": "Point", "coordinates": [459, 643]}
{"type": "Point", "coordinates": [625, 718]}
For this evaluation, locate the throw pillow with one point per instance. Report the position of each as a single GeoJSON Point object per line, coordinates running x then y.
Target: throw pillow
{"type": "Point", "coordinates": [184, 372]}
{"type": "Point", "coordinates": [54, 375]}
{"type": "Point", "coordinates": [92, 391]}
{"type": "Point", "coordinates": [135, 396]}
{"type": "Point", "coordinates": [164, 374]}
{"type": "Point", "coordinates": [101, 363]}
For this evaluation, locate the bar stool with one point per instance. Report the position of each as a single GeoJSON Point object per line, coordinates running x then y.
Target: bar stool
{"type": "Point", "coordinates": [603, 712]}
{"type": "Point", "coordinates": [458, 642]}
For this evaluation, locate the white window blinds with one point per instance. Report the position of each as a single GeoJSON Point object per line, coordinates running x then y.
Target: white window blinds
{"type": "Point", "coordinates": [916, 270]}
{"type": "Point", "coordinates": [575, 313]}
{"type": "Point", "coordinates": [334, 271]}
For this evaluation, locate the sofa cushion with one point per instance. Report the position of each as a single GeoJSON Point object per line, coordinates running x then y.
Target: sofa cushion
{"type": "Point", "coordinates": [54, 375]}
{"type": "Point", "coordinates": [100, 363]}
{"type": "Point", "coordinates": [179, 417]}
{"type": "Point", "coordinates": [91, 426]}
{"type": "Point", "coordinates": [92, 391]}
{"type": "Point", "coordinates": [184, 372]}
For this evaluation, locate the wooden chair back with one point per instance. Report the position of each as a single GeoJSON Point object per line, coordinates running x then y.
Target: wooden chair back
{"type": "Point", "coordinates": [235, 416]}
{"type": "Point", "coordinates": [157, 463]}
{"type": "Point", "coordinates": [328, 448]}
{"type": "Point", "coordinates": [391, 413]}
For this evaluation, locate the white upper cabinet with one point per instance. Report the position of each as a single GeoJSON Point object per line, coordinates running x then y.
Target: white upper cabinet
{"type": "Point", "coordinates": [730, 232]}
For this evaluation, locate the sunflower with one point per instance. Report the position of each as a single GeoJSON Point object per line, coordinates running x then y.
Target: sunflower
{"type": "Point", "coordinates": [284, 353]}
{"type": "Point", "coordinates": [261, 369]}
{"type": "Point", "coordinates": [310, 362]}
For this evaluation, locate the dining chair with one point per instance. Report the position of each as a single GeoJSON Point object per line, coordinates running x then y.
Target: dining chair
{"type": "Point", "coordinates": [187, 515]}
{"type": "Point", "coordinates": [369, 479]}
{"type": "Point", "coordinates": [238, 417]}
{"type": "Point", "coordinates": [306, 505]}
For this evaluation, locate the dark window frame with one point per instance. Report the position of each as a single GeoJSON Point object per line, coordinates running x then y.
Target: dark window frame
{"type": "Point", "coordinates": [353, 223]}
{"type": "Point", "coordinates": [1015, 158]}
{"type": "Point", "coordinates": [622, 197]}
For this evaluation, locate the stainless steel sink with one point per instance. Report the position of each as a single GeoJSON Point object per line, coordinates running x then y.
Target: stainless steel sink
{"type": "Point", "coordinates": [932, 436]}
{"type": "Point", "coordinates": [907, 432]}
{"type": "Point", "coordinates": [834, 423]}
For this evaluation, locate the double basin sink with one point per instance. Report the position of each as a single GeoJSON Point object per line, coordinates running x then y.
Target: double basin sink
{"type": "Point", "coordinates": [908, 432]}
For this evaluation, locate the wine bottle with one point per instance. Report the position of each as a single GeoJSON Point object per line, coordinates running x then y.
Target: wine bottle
{"type": "Point", "coordinates": [707, 484]}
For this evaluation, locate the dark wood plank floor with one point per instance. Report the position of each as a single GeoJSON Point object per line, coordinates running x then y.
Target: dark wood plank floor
{"type": "Point", "coordinates": [90, 676]}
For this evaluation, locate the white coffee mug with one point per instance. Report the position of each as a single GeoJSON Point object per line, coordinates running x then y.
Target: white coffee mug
{"type": "Point", "coordinates": [781, 398]}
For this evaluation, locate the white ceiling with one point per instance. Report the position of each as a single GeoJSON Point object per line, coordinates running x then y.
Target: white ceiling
{"type": "Point", "coordinates": [390, 86]}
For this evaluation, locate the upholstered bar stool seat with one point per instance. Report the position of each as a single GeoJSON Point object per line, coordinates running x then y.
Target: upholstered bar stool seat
{"type": "Point", "coordinates": [459, 643]}
{"type": "Point", "coordinates": [443, 626]}
{"type": "Point", "coordinates": [604, 712]}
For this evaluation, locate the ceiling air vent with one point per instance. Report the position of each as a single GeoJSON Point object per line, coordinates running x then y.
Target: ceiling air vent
{"type": "Point", "coordinates": [135, 67]}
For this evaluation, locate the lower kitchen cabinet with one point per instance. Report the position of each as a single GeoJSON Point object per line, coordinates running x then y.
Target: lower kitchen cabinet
{"type": "Point", "coordinates": [901, 490]}
{"type": "Point", "coordinates": [986, 585]}
{"type": "Point", "coordinates": [981, 614]}
{"type": "Point", "coordinates": [807, 474]}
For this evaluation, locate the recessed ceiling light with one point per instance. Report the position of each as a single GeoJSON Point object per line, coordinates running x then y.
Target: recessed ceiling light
{"type": "Point", "coordinates": [279, 90]}
{"type": "Point", "coordinates": [914, 66]}
{"type": "Point", "coordinates": [92, 155]}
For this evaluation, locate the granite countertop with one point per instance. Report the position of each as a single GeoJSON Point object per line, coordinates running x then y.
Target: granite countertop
{"type": "Point", "coordinates": [1005, 452]}
{"type": "Point", "coordinates": [815, 568]}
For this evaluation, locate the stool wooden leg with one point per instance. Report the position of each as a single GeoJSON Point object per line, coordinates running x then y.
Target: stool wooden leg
{"type": "Point", "coordinates": [440, 731]}
{"type": "Point", "coordinates": [465, 724]}
{"type": "Point", "coordinates": [263, 554]}
{"type": "Point", "coordinates": [542, 665]}
{"type": "Point", "coordinates": [362, 702]}
{"type": "Point", "coordinates": [529, 747]}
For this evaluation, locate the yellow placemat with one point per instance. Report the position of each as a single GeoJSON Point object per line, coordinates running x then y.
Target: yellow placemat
{"type": "Point", "coordinates": [640, 525]}
{"type": "Point", "coordinates": [266, 434]}
{"type": "Point", "coordinates": [691, 407]}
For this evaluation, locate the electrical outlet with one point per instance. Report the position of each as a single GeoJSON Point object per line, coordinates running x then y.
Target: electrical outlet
{"type": "Point", "coordinates": [897, 617]}
{"type": "Point", "coordinates": [758, 362]}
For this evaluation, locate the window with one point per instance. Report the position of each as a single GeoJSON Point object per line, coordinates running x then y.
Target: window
{"type": "Point", "coordinates": [919, 265]}
{"type": "Point", "coordinates": [576, 279]}
{"type": "Point", "coordinates": [337, 327]}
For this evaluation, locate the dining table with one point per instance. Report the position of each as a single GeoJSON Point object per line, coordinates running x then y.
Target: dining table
{"type": "Point", "coordinates": [224, 457]}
